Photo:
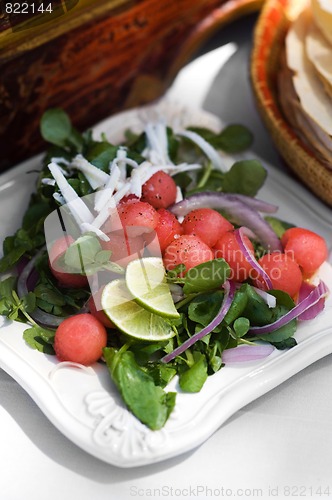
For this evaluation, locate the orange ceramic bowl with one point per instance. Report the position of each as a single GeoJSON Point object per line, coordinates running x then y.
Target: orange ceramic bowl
{"type": "Point", "coordinates": [269, 37]}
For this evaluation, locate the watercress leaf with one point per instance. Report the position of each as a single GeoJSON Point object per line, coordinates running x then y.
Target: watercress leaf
{"type": "Point", "coordinates": [81, 254]}
{"type": "Point", "coordinates": [245, 177]}
{"type": "Point", "coordinates": [55, 152]}
{"type": "Point", "coordinates": [13, 313]}
{"type": "Point", "coordinates": [161, 373]}
{"type": "Point", "coordinates": [193, 379]}
{"type": "Point", "coordinates": [34, 213]}
{"type": "Point", "coordinates": [215, 363]}
{"type": "Point", "coordinates": [279, 226]}
{"type": "Point", "coordinates": [8, 244]}
{"type": "Point", "coordinates": [5, 307]}
{"type": "Point", "coordinates": [103, 256]}
{"type": "Point", "coordinates": [11, 258]}
{"type": "Point", "coordinates": [33, 337]}
{"type": "Point", "coordinates": [173, 273]}
{"type": "Point", "coordinates": [282, 333]}
{"type": "Point", "coordinates": [285, 344]}
{"type": "Point", "coordinates": [75, 140]}
{"type": "Point", "coordinates": [283, 299]}
{"type": "Point", "coordinates": [214, 182]}
{"type": "Point", "coordinates": [205, 133]}
{"type": "Point", "coordinates": [173, 144]}
{"type": "Point", "coordinates": [148, 402]}
{"type": "Point", "coordinates": [284, 304]}
{"type": "Point", "coordinates": [7, 286]}
{"type": "Point", "coordinates": [233, 139]}
{"type": "Point", "coordinates": [238, 305]}
{"type": "Point", "coordinates": [241, 326]}
{"type": "Point", "coordinates": [135, 142]}
{"type": "Point", "coordinates": [100, 154]}
{"type": "Point", "coordinates": [47, 335]}
{"type": "Point", "coordinates": [256, 310]}
{"type": "Point", "coordinates": [182, 180]}
{"type": "Point", "coordinates": [206, 276]}
{"type": "Point", "coordinates": [203, 308]}
{"type": "Point", "coordinates": [49, 294]}
{"type": "Point", "coordinates": [55, 126]}
{"type": "Point", "coordinates": [83, 185]}
{"type": "Point", "coordinates": [45, 306]}
{"type": "Point", "coordinates": [143, 351]}
{"type": "Point", "coordinates": [28, 302]}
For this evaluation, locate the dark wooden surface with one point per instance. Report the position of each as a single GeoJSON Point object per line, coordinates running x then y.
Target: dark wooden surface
{"type": "Point", "coordinates": [116, 60]}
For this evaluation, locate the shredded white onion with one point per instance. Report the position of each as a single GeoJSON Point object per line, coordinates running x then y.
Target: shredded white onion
{"type": "Point", "coordinates": [206, 147]}
{"type": "Point", "coordinates": [86, 227]}
{"type": "Point", "coordinates": [270, 300]}
{"type": "Point", "coordinates": [80, 211]}
{"type": "Point", "coordinates": [104, 194]}
{"type": "Point", "coordinates": [48, 182]}
{"type": "Point", "coordinates": [95, 176]}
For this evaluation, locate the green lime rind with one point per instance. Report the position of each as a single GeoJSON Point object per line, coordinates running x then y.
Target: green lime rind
{"type": "Point", "coordinates": [146, 281]}
{"type": "Point", "coordinates": [130, 317]}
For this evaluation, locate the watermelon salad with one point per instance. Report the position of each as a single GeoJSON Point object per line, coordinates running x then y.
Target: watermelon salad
{"type": "Point", "coordinates": [156, 258]}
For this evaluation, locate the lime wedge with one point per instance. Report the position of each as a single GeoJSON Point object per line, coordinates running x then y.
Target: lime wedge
{"type": "Point", "coordinates": [130, 317]}
{"type": "Point", "coordinates": [146, 281]}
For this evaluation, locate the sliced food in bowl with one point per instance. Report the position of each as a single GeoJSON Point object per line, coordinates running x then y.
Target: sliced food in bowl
{"type": "Point", "coordinates": [305, 90]}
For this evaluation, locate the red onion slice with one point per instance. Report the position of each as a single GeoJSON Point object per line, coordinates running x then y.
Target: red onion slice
{"type": "Point", "coordinates": [226, 303]}
{"type": "Point", "coordinates": [210, 197]}
{"type": "Point", "coordinates": [240, 211]}
{"type": "Point", "coordinates": [251, 259]}
{"type": "Point", "coordinates": [311, 300]}
{"type": "Point", "coordinates": [312, 312]}
{"type": "Point", "coordinates": [257, 204]}
{"type": "Point", "coordinates": [244, 353]}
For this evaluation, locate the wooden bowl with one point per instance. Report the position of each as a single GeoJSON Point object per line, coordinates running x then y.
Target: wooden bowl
{"type": "Point", "coordinates": [95, 58]}
{"type": "Point", "coordinates": [269, 37]}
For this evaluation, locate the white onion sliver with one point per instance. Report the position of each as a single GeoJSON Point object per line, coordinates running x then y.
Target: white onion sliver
{"type": "Point", "coordinates": [104, 194]}
{"type": "Point", "coordinates": [269, 299]}
{"type": "Point", "coordinates": [206, 147]}
{"type": "Point", "coordinates": [80, 211]}
{"type": "Point", "coordinates": [95, 176]}
{"type": "Point", "coordinates": [86, 227]}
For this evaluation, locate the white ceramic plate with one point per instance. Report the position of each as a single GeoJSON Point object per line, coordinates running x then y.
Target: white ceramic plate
{"type": "Point", "coordinates": [83, 403]}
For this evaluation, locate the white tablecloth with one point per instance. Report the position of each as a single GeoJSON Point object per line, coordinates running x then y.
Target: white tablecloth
{"type": "Point", "coordinates": [278, 446]}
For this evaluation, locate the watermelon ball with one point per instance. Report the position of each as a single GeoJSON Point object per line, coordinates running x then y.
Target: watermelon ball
{"type": "Point", "coordinates": [206, 223]}
{"type": "Point", "coordinates": [284, 272]}
{"type": "Point", "coordinates": [124, 248]}
{"type": "Point", "coordinates": [80, 339]}
{"type": "Point", "coordinates": [159, 190]}
{"type": "Point", "coordinates": [306, 247]}
{"type": "Point", "coordinates": [168, 228]}
{"type": "Point", "coordinates": [65, 279]}
{"type": "Point", "coordinates": [228, 248]}
{"type": "Point", "coordinates": [188, 250]}
{"type": "Point", "coordinates": [138, 218]}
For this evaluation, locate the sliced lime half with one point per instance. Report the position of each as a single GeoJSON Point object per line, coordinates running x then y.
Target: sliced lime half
{"type": "Point", "coordinates": [130, 317]}
{"type": "Point", "coordinates": [146, 281]}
